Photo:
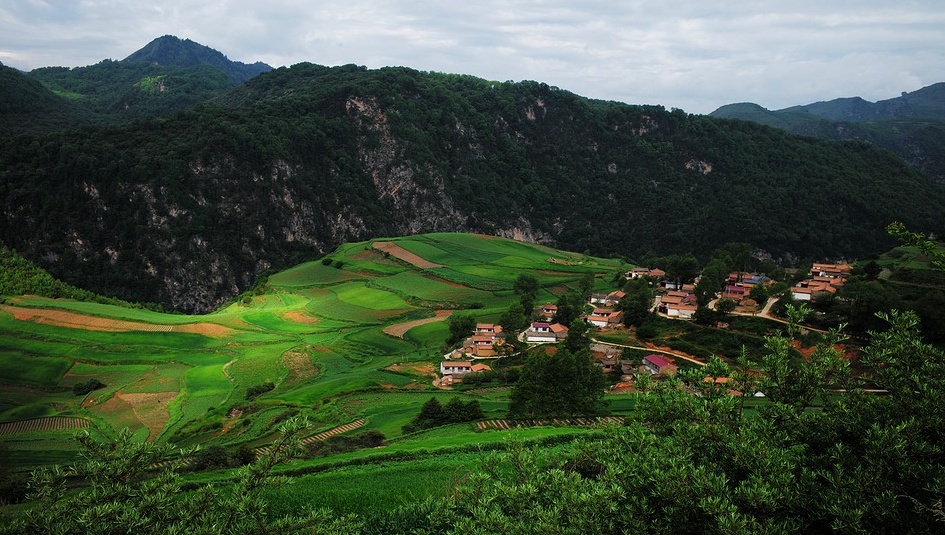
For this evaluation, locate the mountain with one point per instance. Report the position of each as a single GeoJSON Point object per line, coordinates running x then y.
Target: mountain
{"type": "Point", "coordinates": [166, 76]}
{"type": "Point", "coordinates": [925, 103]}
{"type": "Point", "coordinates": [187, 209]}
{"type": "Point", "coordinates": [912, 125]}
{"type": "Point", "coordinates": [171, 50]}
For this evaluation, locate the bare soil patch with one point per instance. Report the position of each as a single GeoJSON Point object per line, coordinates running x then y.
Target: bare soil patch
{"type": "Point", "coordinates": [73, 320]}
{"type": "Point", "coordinates": [400, 329]}
{"type": "Point", "coordinates": [299, 364]}
{"type": "Point", "coordinates": [425, 369]}
{"type": "Point", "coordinates": [150, 409]}
{"type": "Point", "coordinates": [298, 316]}
{"type": "Point", "coordinates": [397, 251]}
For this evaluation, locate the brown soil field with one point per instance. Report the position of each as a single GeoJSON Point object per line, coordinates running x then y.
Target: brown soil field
{"type": "Point", "coordinates": [150, 409]}
{"type": "Point", "coordinates": [299, 365]}
{"type": "Point", "coordinates": [420, 368]}
{"type": "Point", "coordinates": [298, 316]}
{"type": "Point", "coordinates": [73, 320]}
{"type": "Point", "coordinates": [397, 251]}
{"type": "Point", "coordinates": [400, 329]}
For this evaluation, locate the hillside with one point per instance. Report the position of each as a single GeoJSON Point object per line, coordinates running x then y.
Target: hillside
{"type": "Point", "coordinates": [912, 126]}
{"type": "Point", "coordinates": [187, 209]}
{"type": "Point", "coordinates": [320, 332]}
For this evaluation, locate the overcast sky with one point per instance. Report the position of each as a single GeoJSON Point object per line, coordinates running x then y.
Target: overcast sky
{"type": "Point", "coordinates": [691, 54]}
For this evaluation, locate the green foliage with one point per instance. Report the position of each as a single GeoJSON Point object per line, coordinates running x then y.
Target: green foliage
{"type": "Point", "coordinates": [851, 463]}
{"type": "Point", "coordinates": [81, 389]}
{"type": "Point", "coordinates": [526, 288]}
{"type": "Point", "coordinates": [461, 326]}
{"type": "Point", "coordinates": [298, 125]}
{"type": "Point", "coordinates": [119, 496]}
{"type": "Point", "coordinates": [564, 384]}
{"type": "Point", "coordinates": [343, 444]}
{"type": "Point", "coordinates": [638, 302]}
{"type": "Point", "coordinates": [257, 390]}
{"type": "Point", "coordinates": [434, 414]}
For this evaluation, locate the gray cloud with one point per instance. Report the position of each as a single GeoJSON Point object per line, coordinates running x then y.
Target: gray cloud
{"type": "Point", "coordinates": [687, 54]}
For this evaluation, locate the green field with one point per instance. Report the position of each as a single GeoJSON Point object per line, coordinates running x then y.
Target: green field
{"type": "Point", "coordinates": [314, 331]}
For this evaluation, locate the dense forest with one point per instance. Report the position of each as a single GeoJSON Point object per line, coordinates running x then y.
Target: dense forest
{"type": "Point", "coordinates": [185, 205]}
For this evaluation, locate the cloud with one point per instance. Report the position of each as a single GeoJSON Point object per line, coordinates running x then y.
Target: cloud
{"type": "Point", "coordinates": [688, 54]}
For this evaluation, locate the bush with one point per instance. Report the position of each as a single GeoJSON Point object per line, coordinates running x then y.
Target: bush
{"type": "Point", "coordinates": [81, 389]}
{"type": "Point", "coordinates": [326, 261]}
{"type": "Point", "coordinates": [342, 444]}
{"type": "Point", "coordinates": [255, 391]}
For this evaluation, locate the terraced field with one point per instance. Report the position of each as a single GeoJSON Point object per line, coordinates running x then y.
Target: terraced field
{"type": "Point", "coordinates": [336, 341]}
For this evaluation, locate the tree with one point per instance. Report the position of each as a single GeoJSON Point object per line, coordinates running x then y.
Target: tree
{"type": "Point", "coordinates": [638, 302]}
{"type": "Point", "coordinates": [820, 455]}
{"type": "Point", "coordinates": [461, 326]}
{"type": "Point", "coordinates": [513, 320]}
{"type": "Point", "coordinates": [725, 306]}
{"type": "Point", "coordinates": [564, 384]}
{"type": "Point", "coordinates": [526, 288]}
{"type": "Point", "coordinates": [759, 293]}
{"type": "Point", "coordinates": [680, 268]}
{"type": "Point", "coordinates": [578, 337]}
{"type": "Point", "coordinates": [121, 496]}
{"type": "Point", "coordinates": [711, 281]}
{"type": "Point", "coordinates": [570, 306]}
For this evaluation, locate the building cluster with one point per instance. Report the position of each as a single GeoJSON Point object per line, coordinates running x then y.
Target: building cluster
{"type": "Point", "coordinates": [483, 343]}
{"type": "Point", "coordinates": [825, 279]}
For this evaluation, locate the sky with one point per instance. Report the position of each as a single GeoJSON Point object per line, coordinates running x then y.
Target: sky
{"type": "Point", "coordinates": [695, 55]}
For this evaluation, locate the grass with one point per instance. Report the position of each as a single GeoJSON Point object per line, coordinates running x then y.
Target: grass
{"type": "Point", "coordinates": [39, 371]}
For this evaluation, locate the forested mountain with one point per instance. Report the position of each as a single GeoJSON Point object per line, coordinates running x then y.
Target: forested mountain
{"type": "Point", "coordinates": [186, 209]}
{"type": "Point", "coordinates": [171, 50]}
{"type": "Point", "coordinates": [912, 125]}
{"type": "Point", "coordinates": [167, 75]}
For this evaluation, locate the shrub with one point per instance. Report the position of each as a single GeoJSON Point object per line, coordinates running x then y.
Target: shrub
{"type": "Point", "coordinates": [81, 389]}
{"type": "Point", "coordinates": [255, 391]}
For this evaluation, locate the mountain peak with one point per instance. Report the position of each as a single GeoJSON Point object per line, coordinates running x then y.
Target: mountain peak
{"type": "Point", "coordinates": [172, 50]}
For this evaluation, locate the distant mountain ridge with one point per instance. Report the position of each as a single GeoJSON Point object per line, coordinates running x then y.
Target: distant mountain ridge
{"type": "Point", "coordinates": [911, 125]}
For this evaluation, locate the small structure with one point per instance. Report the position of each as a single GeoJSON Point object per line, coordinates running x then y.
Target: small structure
{"type": "Point", "coordinates": [548, 311]}
{"type": "Point", "coordinates": [560, 331]}
{"type": "Point", "coordinates": [455, 368]}
{"type": "Point", "coordinates": [604, 317]}
{"type": "Point", "coordinates": [659, 365]}
{"type": "Point", "coordinates": [540, 332]}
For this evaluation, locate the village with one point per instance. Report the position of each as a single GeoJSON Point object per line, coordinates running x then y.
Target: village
{"type": "Point", "coordinates": [602, 313]}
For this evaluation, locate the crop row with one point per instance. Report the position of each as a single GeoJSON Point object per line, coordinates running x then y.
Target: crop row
{"type": "Point", "coordinates": [52, 423]}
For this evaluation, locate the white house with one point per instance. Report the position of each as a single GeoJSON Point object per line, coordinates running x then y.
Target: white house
{"type": "Point", "coordinates": [455, 368]}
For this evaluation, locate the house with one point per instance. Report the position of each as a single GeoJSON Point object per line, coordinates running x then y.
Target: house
{"type": "Point", "coordinates": [560, 331]}
{"type": "Point", "coordinates": [455, 368]}
{"type": "Point", "coordinates": [735, 292]}
{"type": "Point", "coordinates": [602, 317]}
{"type": "Point", "coordinates": [482, 345]}
{"type": "Point", "coordinates": [548, 311]}
{"type": "Point", "coordinates": [658, 364]}
{"type": "Point", "coordinates": [540, 332]}
{"type": "Point", "coordinates": [486, 328]}
{"type": "Point", "coordinates": [801, 293]}
{"type": "Point", "coordinates": [481, 368]}
{"type": "Point", "coordinates": [597, 299]}
{"type": "Point", "coordinates": [681, 310]}
{"type": "Point", "coordinates": [638, 272]}
{"type": "Point", "coordinates": [833, 271]}
{"type": "Point", "coordinates": [613, 298]}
